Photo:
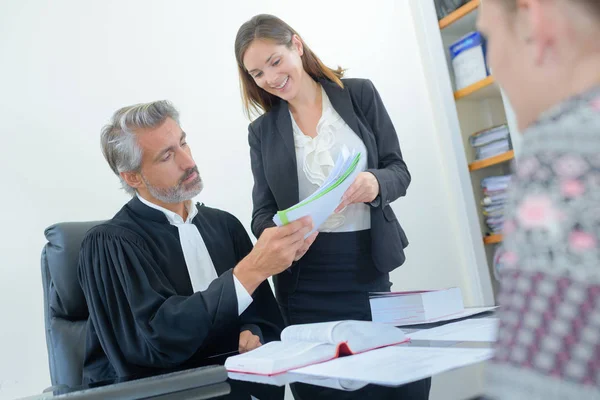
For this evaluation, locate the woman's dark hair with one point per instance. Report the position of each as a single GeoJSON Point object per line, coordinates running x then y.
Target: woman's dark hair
{"type": "Point", "coordinates": [269, 27]}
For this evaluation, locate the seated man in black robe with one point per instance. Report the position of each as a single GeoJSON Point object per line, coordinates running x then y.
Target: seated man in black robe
{"type": "Point", "coordinates": [170, 283]}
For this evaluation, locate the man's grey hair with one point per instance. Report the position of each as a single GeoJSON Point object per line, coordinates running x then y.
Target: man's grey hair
{"type": "Point", "coordinates": [119, 141]}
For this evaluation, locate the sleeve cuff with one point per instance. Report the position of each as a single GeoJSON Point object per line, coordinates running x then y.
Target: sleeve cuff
{"type": "Point", "coordinates": [255, 329]}
{"type": "Point", "coordinates": [243, 297]}
{"type": "Point", "coordinates": [375, 203]}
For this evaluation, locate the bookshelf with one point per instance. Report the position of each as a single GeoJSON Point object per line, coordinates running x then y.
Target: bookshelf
{"type": "Point", "coordinates": [493, 239]}
{"type": "Point", "coordinates": [484, 89]}
{"type": "Point", "coordinates": [460, 113]}
{"type": "Point", "coordinates": [459, 14]}
{"type": "Point", "coordinates": [488, 162]}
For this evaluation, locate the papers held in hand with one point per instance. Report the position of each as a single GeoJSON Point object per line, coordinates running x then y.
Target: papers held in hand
{"type": "Point", "coordinates": [323, 202]}
{"type": "Point", "coordinates": [308, 344]}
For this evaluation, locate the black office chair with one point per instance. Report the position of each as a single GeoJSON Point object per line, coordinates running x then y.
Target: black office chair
{"type": "Point", "coordinates": [65, 309]}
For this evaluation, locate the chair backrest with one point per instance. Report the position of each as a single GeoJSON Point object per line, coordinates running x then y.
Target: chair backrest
{"type": "Point", "coordinates": [65, 309]}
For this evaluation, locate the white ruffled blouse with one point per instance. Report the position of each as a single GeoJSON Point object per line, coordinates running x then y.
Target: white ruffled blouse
{"type": "Point", "coordinates": [315, 159]}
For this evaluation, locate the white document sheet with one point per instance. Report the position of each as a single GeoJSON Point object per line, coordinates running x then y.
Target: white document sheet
{"type": "Point", "coordinates": [467, 312]}
{"type": "Point", "coordinates": [397, 365]}
{"type": "Point", "coordinates": [469, 330]}
{"type": "Point", "coordinates": [320, 206]}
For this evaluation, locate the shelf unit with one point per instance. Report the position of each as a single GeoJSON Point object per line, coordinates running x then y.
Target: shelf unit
{"type": "Point", "coordinates": [459, 14]}
{"type": "Point", "coordinates": [488, 162]}
{"type": "Point", "coordinates": [484, 89]}
{"type": "Point", "coordinates": [459, 114]}
{"type": "Point", "coordinates": [492, 239]}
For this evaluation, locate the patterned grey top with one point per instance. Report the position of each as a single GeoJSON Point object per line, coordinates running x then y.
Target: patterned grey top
{"type": "Point", "coordinates": [549, 339]}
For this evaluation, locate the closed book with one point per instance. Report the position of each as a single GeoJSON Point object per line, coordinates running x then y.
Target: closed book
{"type": "Point", "coordinates": [405, 308]}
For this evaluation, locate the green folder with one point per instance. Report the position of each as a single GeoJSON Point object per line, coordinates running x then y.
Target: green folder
{"type": "Point", "coordinates": [283, 214]}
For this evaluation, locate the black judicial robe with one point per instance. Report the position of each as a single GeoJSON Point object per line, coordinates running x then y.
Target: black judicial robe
{"type": "Point", "coordinates": [144, 316]}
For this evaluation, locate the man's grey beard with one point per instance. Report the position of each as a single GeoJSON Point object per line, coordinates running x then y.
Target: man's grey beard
{"type": "Point", "coordinates": [179, 193]}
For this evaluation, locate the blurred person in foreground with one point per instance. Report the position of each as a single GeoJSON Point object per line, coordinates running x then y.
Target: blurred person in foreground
{"type": "Point", "coordinates": [546, 56]}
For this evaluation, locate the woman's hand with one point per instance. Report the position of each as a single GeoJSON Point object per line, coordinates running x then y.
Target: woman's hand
{"type": "Point", "coordinates": [364, 189]}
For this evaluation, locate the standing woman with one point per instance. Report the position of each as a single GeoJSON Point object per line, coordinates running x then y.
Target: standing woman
{"type": "Point", "coordinates": [309, 115]}
{"type": "Point", "coordinates": [546, 55]}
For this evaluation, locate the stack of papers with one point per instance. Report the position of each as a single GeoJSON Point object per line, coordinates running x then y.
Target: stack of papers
{"type": "Point", "coordinates": [323, 202]}
{"type": "Point", "coordinates": [491, 142]}
{"type": "Point", "coordinates": [397, 365]}
{"type": "Point", "coordinates": [470, 330]}
{"type": "Point", "coordinates": [489, 136]}
{"type": "Point", "coordinates": [492, 149]}
{"type": "Point", "coordinates": [495, 196]}
{"type": "Point", "coordinates": [467, 312]}
{"type": "Point", "coordinates": [496, 183]}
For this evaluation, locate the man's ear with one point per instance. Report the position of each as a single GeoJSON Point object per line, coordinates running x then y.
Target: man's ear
{"type": "Point", "coordinates": [133, 179]}
{"type": "Point", "coordinates": [540, 27]}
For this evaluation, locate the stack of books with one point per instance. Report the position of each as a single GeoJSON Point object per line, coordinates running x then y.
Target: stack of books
{"type": "Point", "coordinates": [491, 142]}
{"type": "Point", "coordinates": [494, 198]}
{"type": "Point", "coordinates": [418, 307]}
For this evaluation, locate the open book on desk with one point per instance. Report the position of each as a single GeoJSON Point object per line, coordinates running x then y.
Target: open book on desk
{"type": "Point", "coordinates": [323, 202]}
{"type": "Point", "coordinates": [307, 344]}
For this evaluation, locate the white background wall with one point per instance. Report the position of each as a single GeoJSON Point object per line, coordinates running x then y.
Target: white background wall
{"type": "Point", "coordinates": [66, 65]}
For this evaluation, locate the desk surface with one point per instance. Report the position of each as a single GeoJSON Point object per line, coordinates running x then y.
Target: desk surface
{"type": "Point", "coordinates": [214, 383]}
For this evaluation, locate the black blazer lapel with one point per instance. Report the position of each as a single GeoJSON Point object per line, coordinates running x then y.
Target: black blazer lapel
{"type": "Point", "coordinates": [287, 173]}
{"type": "Point", "coordinates": [342, 103]}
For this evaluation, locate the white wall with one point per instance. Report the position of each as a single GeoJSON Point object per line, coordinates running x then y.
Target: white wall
{"type": "Point", "coordinates": [67, 65]}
